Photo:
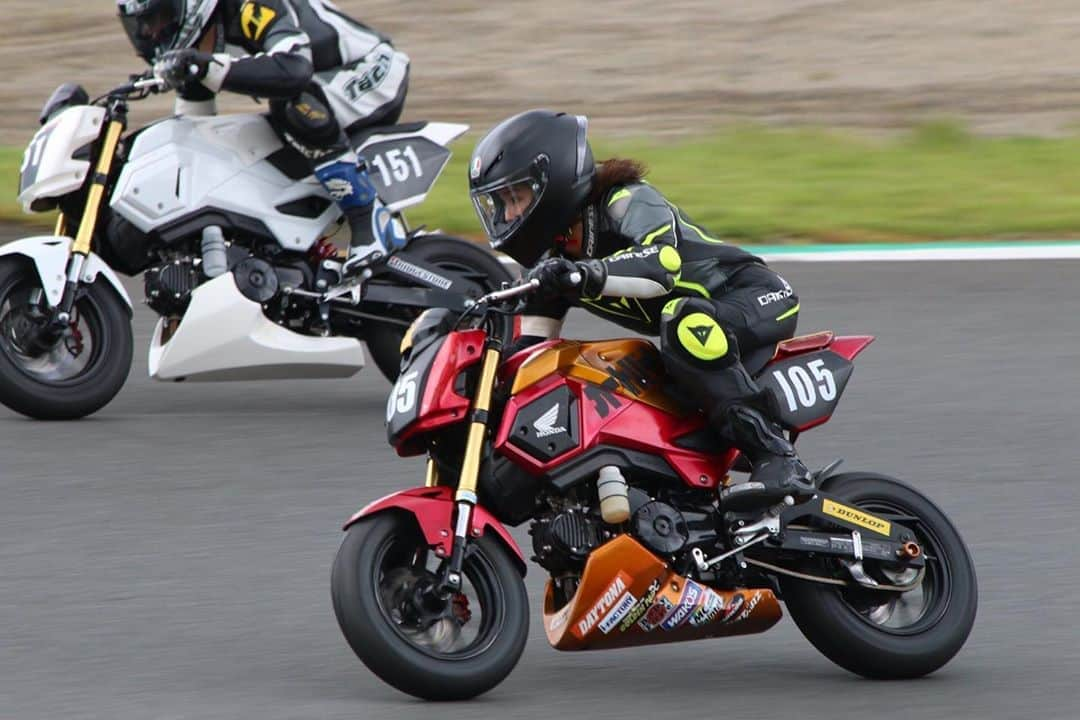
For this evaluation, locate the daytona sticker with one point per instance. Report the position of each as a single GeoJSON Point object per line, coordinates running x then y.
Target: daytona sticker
{"type": "Point", "coordinates": [606, 602]}
{"type": "Point", "coordinates": [687, 603]}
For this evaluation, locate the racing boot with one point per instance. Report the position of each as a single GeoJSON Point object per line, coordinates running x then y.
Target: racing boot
{"type": "Point", "coordinates": [346, 179]}
{"type": "Point", "coordinates": [776, 468]}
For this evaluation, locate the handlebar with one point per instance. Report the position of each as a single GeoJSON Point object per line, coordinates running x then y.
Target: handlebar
{"type": "Point", "coordinates": [152, 84]}
{"type": "Point", "coordinates": [505, 327]}
{"type": "Point", "coordinates": [524, 288]}
{"type": "Point", "coordinates": [509, 293]}
{"type": "Point", "coordinates": [140, 85]}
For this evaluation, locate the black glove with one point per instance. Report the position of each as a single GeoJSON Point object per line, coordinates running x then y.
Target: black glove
{"type": "Point", "coordinates": [178, 67]}
{"type": "Point", "coordinates": [556, 276]}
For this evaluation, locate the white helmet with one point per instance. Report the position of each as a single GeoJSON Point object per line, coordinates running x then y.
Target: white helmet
{"type": "Point", "coordinates": [157, 26]}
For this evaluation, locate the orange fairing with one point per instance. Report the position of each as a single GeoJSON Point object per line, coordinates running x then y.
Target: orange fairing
{"type": "Point", "coordinates": [803, 344]}
{"type": "Point", "coordinates": [631, 367]}
{"type": "Point", "coordinates": [629, 597]}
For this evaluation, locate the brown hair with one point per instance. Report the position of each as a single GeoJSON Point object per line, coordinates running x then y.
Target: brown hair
{"type": "Point", "coordinates": [616, 171]}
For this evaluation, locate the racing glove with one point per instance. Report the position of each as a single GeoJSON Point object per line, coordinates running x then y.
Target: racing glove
{"type": "Point", "coordinates": [556, 276]}
{"type": "Point", "coordinates": [178, 67]}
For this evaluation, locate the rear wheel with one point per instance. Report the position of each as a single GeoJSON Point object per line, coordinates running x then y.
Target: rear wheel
{"type": "Point", "coordinates": [424, 643]}
{"type": "Point", "coordinates": [68, 373]}
{"type": "Point", "coordinates": [890, 635]}
{"type": "Point", "coordinates": [449, 253]}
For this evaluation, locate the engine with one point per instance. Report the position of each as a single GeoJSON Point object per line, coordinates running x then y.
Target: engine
{"type": "Point", "coordinates": [170, 282]}
{"type": "Point", "coordinates": [563, 541]}
{"type": "Point", "coordinates": [667, 524]}
{"type": "Point", "coordinates": [169, 285]}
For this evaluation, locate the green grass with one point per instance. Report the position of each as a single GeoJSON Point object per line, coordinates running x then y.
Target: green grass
{"type": "Point", "coordinates": [10, 161]}
{"type": "Point", "coordinates": [756, 184]}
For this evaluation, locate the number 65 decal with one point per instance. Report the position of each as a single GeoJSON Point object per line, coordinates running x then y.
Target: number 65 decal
{"type": "Point", "coordinates": [403, 397]}
{"type": "Point", "coordinates": [802, 390]}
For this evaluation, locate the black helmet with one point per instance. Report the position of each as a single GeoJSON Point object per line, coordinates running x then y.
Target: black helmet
{"type": "Point", "coordinates": [541, 162]}
{"type": "Point", "coordinates": [156, 26]}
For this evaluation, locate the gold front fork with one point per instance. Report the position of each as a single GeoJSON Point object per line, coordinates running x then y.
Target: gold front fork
{"type": "Point", "coordinates": [97, 189]}
{"type": "Point", "coordinates": [61, 226]}
{"type": "Point", "coordinates": [432, 477]}
{"type": "Point", "coordinates": [470, 466]}
{"type": "Point", "coordinates": [474, 445]}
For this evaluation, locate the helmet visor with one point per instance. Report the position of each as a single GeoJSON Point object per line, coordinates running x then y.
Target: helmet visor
{"type": "Point", "coordinates": [151, 25]}
{"type": "Point", "coordinates": [504, 207]}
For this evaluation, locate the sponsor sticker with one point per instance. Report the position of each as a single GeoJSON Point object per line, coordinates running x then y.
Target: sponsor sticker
{"type": "Point", "coordinates": [857, 517]}
{"type": "Point", "coordinates": [607, 601]}
{"type": "Point", "coordinates": [640, 607]}
{"type": "Point", "coordinates": [692, 593]}
{"type": "Point", "coordinates": [749, 607]}
{"type": "Point", "coordinates": [474, 171]}
{"type": "Point", "coordinates": [656, 614]}
{"type": "Point", "coordinates": [560, 618]}
{"type": "Point", "coordinates": [708, 610]}
{"type": "Point", "coordinates": [419, 273]}
{"type": "Point", "coordinates": [736, 604]}
{"type": "Point", "coordinates": [622, 607]}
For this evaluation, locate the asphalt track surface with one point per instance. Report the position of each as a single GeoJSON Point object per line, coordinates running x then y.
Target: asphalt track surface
{"type": "Point", "coordinates": [170, 557]}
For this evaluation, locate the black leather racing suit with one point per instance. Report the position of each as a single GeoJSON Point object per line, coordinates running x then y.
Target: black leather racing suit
{"type": "Point", "coordinates": [708, 302]}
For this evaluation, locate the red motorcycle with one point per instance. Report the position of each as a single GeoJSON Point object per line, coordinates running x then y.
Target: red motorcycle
{"type": "Point", "coordinates": [619, 478]}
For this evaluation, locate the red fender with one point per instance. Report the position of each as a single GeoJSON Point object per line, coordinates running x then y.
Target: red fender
{"type": "Point", "coordinates": [433, 508]}
{"type": "Point", "coordinates": [848, 346]}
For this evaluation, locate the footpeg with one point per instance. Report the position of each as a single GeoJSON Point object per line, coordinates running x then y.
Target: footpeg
{"type": "Point", "coordinates": [358, 263]}
{"type": "Point", "coordinates": [769, 522]}
{"type": "Point", "coordinates": [704, 565]}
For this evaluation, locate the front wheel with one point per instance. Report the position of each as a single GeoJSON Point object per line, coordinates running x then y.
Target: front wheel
{"type": "Point", "coordinates": [448, 253]}
{"type": "Point", "coordinates": [423, 642]}
{"type": "Point", "coordinates": [66, 373]}
{"type": "Point", "coordinates": [891, 635]}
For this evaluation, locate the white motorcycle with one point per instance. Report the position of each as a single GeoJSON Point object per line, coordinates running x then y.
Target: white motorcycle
{"type": "Point", "coordinates": [231, 232]}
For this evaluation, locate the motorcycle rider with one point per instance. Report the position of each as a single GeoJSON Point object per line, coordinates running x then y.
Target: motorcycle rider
{"type": "Point", "coordinates": [323, 73]}
{"type": "Point", "coordinates": [644, 265]}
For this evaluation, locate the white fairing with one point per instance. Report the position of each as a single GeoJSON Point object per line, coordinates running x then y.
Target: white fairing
{"type": "Point", "coordinates": [49, 254]}
{"type": "Point", "coordinates": [437, 132]}
{"type": "Point", "coordinates": [49, 162]}
{"type": "Point", "coordinates": [186, 164]}
{"type": "Point", "coordinates": [225, 336]}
